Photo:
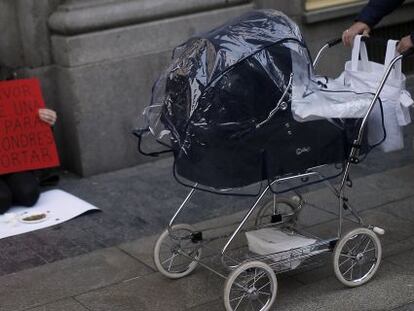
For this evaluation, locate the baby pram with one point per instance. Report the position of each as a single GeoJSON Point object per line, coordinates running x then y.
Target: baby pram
{"type": "Point", "coordinates": [224, 109]}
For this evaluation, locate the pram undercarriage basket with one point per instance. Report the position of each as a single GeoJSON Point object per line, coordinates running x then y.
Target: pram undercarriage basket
{"type": "Point", "coordinates": [224, 108]}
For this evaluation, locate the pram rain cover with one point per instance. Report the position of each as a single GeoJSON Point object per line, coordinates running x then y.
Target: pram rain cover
{"type": "Point", "coordinates": [224, 105]}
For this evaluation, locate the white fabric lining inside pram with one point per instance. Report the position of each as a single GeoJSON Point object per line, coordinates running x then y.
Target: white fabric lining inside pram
{"type": "Point", "coordinates": [272, 241]}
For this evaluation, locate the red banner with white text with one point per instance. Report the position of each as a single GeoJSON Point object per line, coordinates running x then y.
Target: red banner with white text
{"type": "Point", "coordinates": [26, 142]}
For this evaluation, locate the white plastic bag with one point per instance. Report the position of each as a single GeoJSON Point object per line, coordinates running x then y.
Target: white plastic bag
{"type": "Point", "coordinates": [362, 75]}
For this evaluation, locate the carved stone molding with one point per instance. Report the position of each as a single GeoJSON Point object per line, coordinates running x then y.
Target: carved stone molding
{"type": "Point", "coordinates": [76, 17]}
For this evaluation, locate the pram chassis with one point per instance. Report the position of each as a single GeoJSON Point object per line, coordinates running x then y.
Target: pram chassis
{"type": "Point", "coordinates": [265, 267]}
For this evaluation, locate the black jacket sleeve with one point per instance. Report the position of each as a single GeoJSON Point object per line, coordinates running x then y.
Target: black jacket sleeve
{"type": "Point", "coordinates": [375, 10]}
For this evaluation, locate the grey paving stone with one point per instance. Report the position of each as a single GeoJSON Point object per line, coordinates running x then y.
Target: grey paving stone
{"type": "Point", "coordinates": [142, 249]}
{"type": "Point", "coordinates": [390, 288]}
{"type": "Point", "coordinates": [38, 286]}
{"type": "Point", "coordinates": [404, 260]}
{"type": "Point", "coordinates": [396, 228]}
{"type": "Point", "coordinates": [323, 270]}
{"type": "Point", "coordinates": [286, 286]}
{"type": "Point", "coordinates": [155, 292]}
{"type": "Point", "coordinates": [217, 305]}
{"type": "Point", "coordinates": [63, 305]}
{"type": "Point", "coordinates": [15, 256]}
{"type": "Point", "coordinates": [329, 229]}
{"type": "Point", "coordinates": [54, 244]}
{"type": "Point", "coordinates": [402, 208]}
{"type": "Point", "coordinates": [369, 191]}
{"type": "Point", "coordinates": [408, 307]}
{"type": "Point", "coordinates": [405, 174]}
{"type": "Point", "coordinates": [398, 247]}
{"type": "Point", "coordinates": [312, 214]}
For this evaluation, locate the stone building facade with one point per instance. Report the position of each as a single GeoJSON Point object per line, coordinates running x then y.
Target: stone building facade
{"type": "Point", "coordinates": [97, 59]}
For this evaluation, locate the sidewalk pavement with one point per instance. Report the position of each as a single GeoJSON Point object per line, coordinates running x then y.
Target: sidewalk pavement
{"type": "Point", "coordinates": [123, 278]}
{"type": "Point", "coordinates": [138, 202]}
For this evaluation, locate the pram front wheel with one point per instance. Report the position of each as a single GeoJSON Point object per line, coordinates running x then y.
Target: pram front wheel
{"type": "Point", "coordinates": [357, 256]}
{"type": "Point", "coordinates": [278, 211]}
{"type": "Point", "coordinates": [175, 253]}
{"type": "Point", "coordinates": [252, 286]}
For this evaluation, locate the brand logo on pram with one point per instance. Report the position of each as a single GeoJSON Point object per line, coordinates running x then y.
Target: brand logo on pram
{"type": "Point", "coordinates": [299, 151]}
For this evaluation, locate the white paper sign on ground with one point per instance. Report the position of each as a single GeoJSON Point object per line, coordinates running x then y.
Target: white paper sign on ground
{"type": "Point", "coordinates": [58, 206]}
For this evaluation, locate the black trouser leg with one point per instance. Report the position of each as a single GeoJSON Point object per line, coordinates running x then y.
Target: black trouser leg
{"type": "Point", "coordinates": [24, 188]}
{"type": "Point", "coordinates": [5, 196]}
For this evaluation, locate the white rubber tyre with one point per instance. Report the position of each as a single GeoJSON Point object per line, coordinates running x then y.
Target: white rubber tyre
{"type": "Point", "coordinates": [357, 257]}
{"type": "Point", "coordinates": [252, 285]}
{"type": "Point", "coordinates": [168, 256]}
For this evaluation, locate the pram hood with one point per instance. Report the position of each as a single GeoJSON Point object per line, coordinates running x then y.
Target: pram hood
{"type": "Point", "coordinates": [224, 105]}
{"type": "Point", "coordinates": [200, 65]}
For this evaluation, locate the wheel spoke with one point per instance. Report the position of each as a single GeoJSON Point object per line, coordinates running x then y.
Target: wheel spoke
{"type": "Point", "coordinates": [370, 250]}
{"type": "Point", "coordinates": [268, 283]}
{"type": "Point", "coordinates": [346, 255]}
{"type": "Point", "coordinates": [171, 263]}
{"type": "Point", "coordinates": [169, 259]}
{"type": "Point", "coordinates": [238, 298]}
{"type": "Point", "coordinates": [343, 262]}
{"type": "Point", "coordinates": [243, 288]}
{"type": "Point", "coordinates": [258, 277]}
{"type": "Point", "coordinates": [357, 244]}
{"type": "Point", "coordinates": [193, 253]}
{"type": "Point", "coordinates": [263, 304]}
{"type": "Point", "coordinates": [238, 304]}
{"type": "Point", "coordinates": [350, 269]}
{"type": "Point", "coordinates": [361, 242]}
{"type": "Point", "coordinates": [264, 293]}
{"type": "Point", "coordinates": [366, 246]}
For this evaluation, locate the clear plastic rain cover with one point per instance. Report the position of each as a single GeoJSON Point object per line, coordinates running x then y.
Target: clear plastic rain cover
{"type": "Point", "coordinates": [224, 105]}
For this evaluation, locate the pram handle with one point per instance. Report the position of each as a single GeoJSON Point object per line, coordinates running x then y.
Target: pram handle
{"type": "Point", "coordinates": [327, 45]}
{"type": "Point", "coordinates": [334, 42]}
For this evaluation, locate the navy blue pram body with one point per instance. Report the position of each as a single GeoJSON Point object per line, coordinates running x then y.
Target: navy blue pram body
{"type": "Point", "coordinates": [225, 103]}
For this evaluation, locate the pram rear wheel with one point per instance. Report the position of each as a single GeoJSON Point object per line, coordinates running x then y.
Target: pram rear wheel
{"type": "Point", "coordinates": [357, 256]}
{"type": "Point", "coordinates": [277, 211]}
{"type": "Point", "coordinates": [175, 253]}
{"type": "Point", "coordinates": [252, 286]}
